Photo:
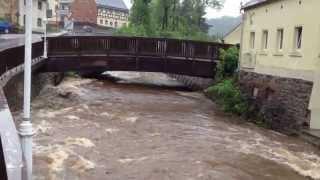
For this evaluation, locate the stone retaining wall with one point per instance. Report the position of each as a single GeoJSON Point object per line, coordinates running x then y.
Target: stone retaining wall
{"type": "Point", "coordinates": [195, 83]}
{"type": "Point", "coordinates": [14, 88]}
{"type": "Point", "coordinates": [283, 102]}
{"type": "Point", "coordinates": [12, 84]}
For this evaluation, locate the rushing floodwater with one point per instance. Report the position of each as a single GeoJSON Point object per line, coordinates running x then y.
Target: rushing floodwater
{"type": "Point", "coordinates": [100, 130]}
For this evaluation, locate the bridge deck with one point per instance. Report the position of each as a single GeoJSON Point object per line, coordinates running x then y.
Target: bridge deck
{"type": "Point", "coordinates": [73, 53]}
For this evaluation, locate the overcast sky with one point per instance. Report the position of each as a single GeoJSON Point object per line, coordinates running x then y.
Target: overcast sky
{"type": "Point", "coordinates": [231, 8]}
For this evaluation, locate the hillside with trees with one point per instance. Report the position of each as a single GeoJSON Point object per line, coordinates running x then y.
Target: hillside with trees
{"type": "Point", "coordinates": [170, 18]}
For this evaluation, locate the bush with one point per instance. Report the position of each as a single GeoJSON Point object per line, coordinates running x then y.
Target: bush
{"type": "Point", "coordinates": [228, 95]}
{"type": "Point", "coordinates": [229, 62]}
{"type": "Point", "coordinates": [132, 31]}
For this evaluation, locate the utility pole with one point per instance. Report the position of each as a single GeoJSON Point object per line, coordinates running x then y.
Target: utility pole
{"type": "Point", "coordinates": [45, 45]}
{"type": "Point", "coordinates": [25, 129]}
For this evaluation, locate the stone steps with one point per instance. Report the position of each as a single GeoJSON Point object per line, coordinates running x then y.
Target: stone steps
{"type": "Point", "coordinates": [312, 136]}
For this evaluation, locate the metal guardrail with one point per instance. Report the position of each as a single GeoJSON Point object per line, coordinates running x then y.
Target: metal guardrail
{"type": "Point", "coordinates": [13, 57]}
{"type": "Point", "coordinates": [134, 46]}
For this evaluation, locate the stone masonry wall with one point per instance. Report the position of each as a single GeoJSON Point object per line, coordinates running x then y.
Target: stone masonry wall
{"type": "Point", "coordinates": [11, 84]}
{"type": "Point", "coordinates": [283, 102]}
{"type": "Point", "coordinates": [13, 90]}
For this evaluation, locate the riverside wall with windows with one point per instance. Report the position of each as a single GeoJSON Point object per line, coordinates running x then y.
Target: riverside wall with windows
{"type": "Point", "coordinates": [13, 89]}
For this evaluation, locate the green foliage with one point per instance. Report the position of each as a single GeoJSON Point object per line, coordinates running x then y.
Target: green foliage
{"type": "Point", "coordinates": [170, 18]}
{"type": "Point", "coordinates": [228, 95]}
{"type": "Point", "coordinates": [140, 15]}
{"type": "Point", "coordinates": [229, 62]}
{"type": "Point", "coordinates": [138, 30]}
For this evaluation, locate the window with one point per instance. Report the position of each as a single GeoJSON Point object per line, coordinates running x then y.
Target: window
{"type": "Point", "coordinates": [252, 39]}
{"type": "Point", "coordinates": [40, 5]}
{"type": "Point", "coordinates": [106, 22]}
{"type": "Point", "coordinates": [101, 21]}
{"type": "Point", "coordinates": [39, 22]}
{"type": "Point", "coordinates": [280, 39]}
{"type": "Point", "coordinates": [116, 24]}
{"type": "Point", "coordinates": [298, 37]}
{"type": "Point", "coordinates": [265, 36]}
{"type": "Point", "coordinates": [111, 24]}
{"type": "Point", "coordinates": [255, 92]}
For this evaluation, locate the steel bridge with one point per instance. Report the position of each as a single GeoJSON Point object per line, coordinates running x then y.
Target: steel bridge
{"type": "Point", "coordinates": [106, 53]}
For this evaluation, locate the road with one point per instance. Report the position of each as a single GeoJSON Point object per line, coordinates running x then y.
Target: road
{"type": "Point", "coordinates": [12, 40]}
{"type": "Point", "coordinates": [133, 129]}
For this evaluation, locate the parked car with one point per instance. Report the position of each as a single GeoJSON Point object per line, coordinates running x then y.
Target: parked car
{"type": "Point", "coordinates": [5, 27]}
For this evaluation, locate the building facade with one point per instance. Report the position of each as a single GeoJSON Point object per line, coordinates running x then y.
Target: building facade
{"type": "Point", "coordinates": [53, 6]}
{"type": "Point", "coordinates": [280, 60]}
{"type": "Point", "coordinates": [112, 13]}
{"type": "Point", "coordinates": [39, 14]}
{"type": "Point", "coordinates": [14, 12]}
{"type": "Point", "coordinates": [9, 10]}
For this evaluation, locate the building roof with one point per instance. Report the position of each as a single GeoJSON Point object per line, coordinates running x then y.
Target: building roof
{"type": "Point", "coordinates": [84, 11]}
{"type": "Point", "coordinates": [233, 29]}
{"type": "Point", "coordinates": [115, 4]}
{"type": "Point", "coordinates": [254, 3]}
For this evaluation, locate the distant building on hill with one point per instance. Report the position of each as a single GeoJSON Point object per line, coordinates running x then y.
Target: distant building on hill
{"type": "Point", "coordinates": [112, 13]}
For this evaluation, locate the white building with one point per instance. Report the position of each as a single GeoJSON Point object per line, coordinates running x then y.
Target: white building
{"type": "Point", "coordinates": [112, 13]}
{"type": "Point", "coordinates": [53, 6]}
{"type": "Point", "coordinates": [39, 14]}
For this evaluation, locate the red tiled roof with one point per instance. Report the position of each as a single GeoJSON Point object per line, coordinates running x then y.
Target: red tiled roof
{"type": "Point", "coordinates": [84, 11]}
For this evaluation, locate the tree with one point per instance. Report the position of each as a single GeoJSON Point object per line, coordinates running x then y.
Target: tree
{"type": "Point", "coordinates": [170, 18]}
{"type": "Point", "coordinates": [140, 14]}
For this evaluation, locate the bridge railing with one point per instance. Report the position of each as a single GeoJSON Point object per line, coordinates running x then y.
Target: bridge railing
{"type": "Point", "coordinates": [133, 46]}
{"type": "Point", "coordinates": [13, 57]}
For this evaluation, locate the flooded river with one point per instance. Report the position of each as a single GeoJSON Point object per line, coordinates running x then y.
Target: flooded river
{"type": "Point", "coordinates": [99, 130]}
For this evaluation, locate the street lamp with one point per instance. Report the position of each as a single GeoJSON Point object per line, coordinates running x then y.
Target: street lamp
{"type": "Point", "coordinates": [25, 129]}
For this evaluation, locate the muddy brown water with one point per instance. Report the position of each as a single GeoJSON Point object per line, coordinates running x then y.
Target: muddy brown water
{"type": "Point", "coordinates": [101, 130]}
